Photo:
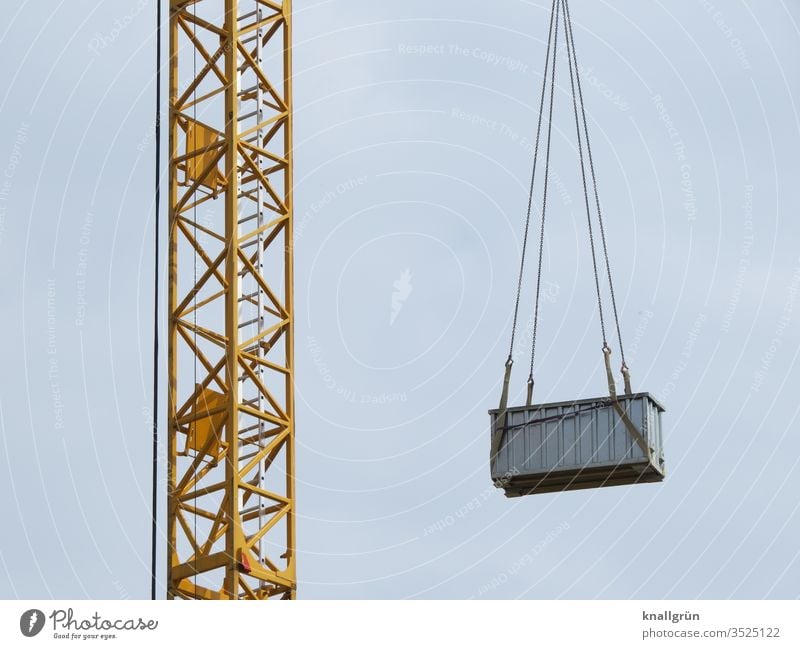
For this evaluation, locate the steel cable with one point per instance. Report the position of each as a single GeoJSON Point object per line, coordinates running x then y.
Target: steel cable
{"type": "Point", "coordinates": [585, 188]}
{"type": "Point", "coordinates": [571, 47]}
{"type": "Point", "coordinates": [544, 194]}
{"type": "Point", "coordinates": [533, 178]}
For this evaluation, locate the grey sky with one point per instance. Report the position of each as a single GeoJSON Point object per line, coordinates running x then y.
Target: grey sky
{"type": "Point", "coordinates": [411, 171]}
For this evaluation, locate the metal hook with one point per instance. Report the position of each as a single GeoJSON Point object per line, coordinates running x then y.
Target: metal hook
{"type": "Point", "coordinates": [626, 376]}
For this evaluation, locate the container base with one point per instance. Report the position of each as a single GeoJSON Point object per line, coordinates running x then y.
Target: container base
{"type": "Point", "coordinates": [589, 478]}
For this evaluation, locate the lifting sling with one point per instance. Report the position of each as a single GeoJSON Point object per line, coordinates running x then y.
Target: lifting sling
{"type": "Point", "coordinates": [560, 13]}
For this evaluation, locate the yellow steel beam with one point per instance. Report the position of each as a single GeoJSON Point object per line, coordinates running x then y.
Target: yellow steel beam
{"type": "Point", "coordinates": [231, 505]}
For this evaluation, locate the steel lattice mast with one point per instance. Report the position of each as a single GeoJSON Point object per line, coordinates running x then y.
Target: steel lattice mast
{"type": "Point", "coordinates": [231, 516]}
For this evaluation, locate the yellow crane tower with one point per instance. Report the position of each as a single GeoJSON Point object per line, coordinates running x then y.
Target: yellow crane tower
{"type": "Point", "coordinates": [230, 502]}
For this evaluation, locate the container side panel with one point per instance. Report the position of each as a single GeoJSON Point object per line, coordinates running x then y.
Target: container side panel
{"type": "Point", "coordinates": [659, 429]}
{"type": "Point", "coordinates": [619, 437]}
{"type": "Point", "coordinates": [586, 436]}
{"type": "Point", "coordinates": [655, 426]}
{"type": "Point", "coordinates": [571, 442]}
{"type": "Point", "coordinates": [638, 414]}
{"type": "Point", "coordinates": [517, 447]}
{"type": "Point", "coordinates": [587, 441]}
{"type": "Point", "coordinates": [502, 454]}
{"type": "Point", "coordinates": [501, 465]}
{"type": "Point", "coordinates": [538, 437]}
{"type": "Point", "coordinates": [512, 435]}
{"type": "Point", "coordinates": [550, 446]}
{"type": "Point", "coordinates": [605, 430]}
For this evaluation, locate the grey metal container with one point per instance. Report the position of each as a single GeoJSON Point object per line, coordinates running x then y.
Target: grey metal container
{"type": "Point", "coordinates": [578, 445]}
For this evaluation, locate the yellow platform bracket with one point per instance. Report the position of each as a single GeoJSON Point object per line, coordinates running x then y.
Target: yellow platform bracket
{"type": "Point", "coordinates": [202, 149]}
{"type": "Point", "coordinates": [204, 434]}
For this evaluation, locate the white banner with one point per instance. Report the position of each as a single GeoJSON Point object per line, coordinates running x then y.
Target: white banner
{"type": "Point", "coordinates": [401, 624]}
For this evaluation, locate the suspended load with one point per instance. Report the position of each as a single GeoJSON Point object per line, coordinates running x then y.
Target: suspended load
{"type": "Point", "coordinates": [583, 443]}
{"type": "Point", "coordinates": [579, 445]}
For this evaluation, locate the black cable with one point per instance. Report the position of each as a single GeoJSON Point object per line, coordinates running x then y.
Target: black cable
{"type": "Point", "coordinates": [155, 307]}
{"type": "Point", "coordinates": [544, 192]}
{"type": "Point", "coordinates": [194, 261]}
{"type": "Point", "coordinates": [533, 178]}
